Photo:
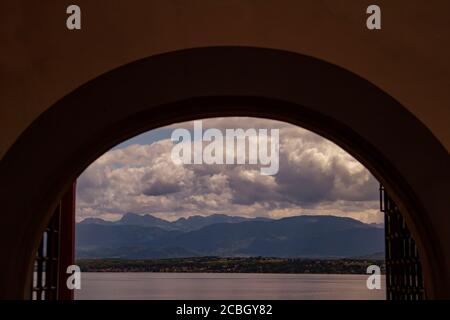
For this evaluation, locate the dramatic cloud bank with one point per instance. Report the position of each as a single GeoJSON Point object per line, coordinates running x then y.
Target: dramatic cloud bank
{"type": "Point", "coordinates": [315, 177]}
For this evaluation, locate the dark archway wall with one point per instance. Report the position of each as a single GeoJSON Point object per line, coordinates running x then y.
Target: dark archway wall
{"type": "Point", "coordinates": [190, 84]}
{"type": "Point", "coordinates": [42, 62]}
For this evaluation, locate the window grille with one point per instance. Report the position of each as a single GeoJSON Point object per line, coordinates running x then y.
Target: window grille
{"type": "Point", "coordinates": [45, 280]}
{"type": "Point", "coordinates": [404, 279]}
{"type": "Point", "coordinates": [56, 253]}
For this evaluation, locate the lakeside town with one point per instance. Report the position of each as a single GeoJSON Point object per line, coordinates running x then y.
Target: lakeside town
{"type": "Point", "coordinates": [232, 265]}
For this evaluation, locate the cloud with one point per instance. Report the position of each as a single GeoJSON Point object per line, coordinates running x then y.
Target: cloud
{"type": "Point", "coordinates": [313, 169]}
{"type": "Point", "coordinates": [315, 177]}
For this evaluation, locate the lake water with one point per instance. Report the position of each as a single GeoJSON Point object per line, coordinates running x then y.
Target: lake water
{"type": "Point", "coordinates": [227, 286]}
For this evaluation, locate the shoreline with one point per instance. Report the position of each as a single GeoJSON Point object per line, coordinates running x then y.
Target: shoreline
{"type": "Point", "coordinates": [256, 265]}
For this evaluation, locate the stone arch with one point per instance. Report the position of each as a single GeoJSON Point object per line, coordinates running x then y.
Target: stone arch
{"type": "Point", "coordinates": [223, 81]}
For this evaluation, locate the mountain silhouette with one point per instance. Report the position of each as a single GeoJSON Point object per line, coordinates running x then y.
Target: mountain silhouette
{"type": "Point", "coordinates": [148, 237]}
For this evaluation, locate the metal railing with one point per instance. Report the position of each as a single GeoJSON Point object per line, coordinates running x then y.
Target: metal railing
{"type": "Point", "coordinates": [404, 279]}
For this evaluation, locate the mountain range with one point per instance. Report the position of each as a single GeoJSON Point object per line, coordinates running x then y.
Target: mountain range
{"type": "Point", "coordinates": [147, 237]}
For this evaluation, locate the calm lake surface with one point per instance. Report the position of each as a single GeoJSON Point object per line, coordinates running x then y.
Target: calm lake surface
{"type": "Point", "coordinates": [240, 286]}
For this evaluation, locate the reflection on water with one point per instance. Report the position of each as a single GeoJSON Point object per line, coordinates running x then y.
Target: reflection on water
{"type": "Point", "coordinates": [225, 286]}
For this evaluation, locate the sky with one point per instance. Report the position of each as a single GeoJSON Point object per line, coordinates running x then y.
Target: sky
{"type": "Point", "coordinates": [315, 177]}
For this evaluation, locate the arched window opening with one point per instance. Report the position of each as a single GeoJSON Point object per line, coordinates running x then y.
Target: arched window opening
{"type": "Point", "coordinates": [316, 179]}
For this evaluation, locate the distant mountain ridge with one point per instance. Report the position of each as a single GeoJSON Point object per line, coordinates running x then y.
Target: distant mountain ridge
{"type": "Point", "coordinates": [148, 237]}
{"type": "Point", "coordinates": [183, 224]}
